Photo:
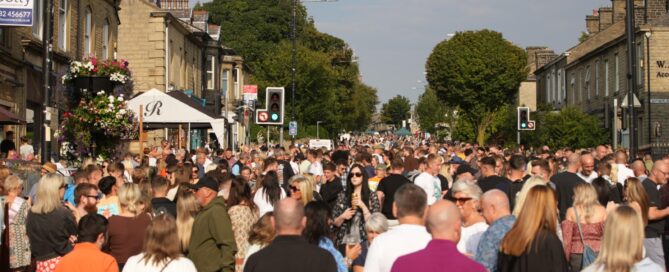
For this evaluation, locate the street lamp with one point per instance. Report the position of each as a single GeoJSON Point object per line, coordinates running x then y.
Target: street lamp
{"type": "Point", "coordinates": [317, 129]}
{"type": "Point", "coordinates": [294, 57]}
{"type": "Point", "coordinates": [648, 34]}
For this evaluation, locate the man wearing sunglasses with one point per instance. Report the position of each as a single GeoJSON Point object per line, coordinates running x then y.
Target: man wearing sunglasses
{"type": "Point", "coordinates": [86, 197]}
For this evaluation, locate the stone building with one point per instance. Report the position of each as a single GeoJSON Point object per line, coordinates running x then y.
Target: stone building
{"type": "Point", "coordinates": [177, 49]}
{"type": "Point", "coordinates": [593, 74]}
{"type": "Point", "coordinates": [80, 28]}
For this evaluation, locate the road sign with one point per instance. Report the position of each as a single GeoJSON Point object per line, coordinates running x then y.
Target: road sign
{"type": "Point", "coordinates": [637, 104]}
{"type": "Point", "coordinates": [17, 13]}
{"type": "Point", "coordinates": [292, 128]}
{"type": "Point", "coordinates": [272, 114]}
{"type": "Point", "coordinates": [523, 119]}
{"type": "Point", "coordinates": [250, 92]}
{"type": "Point", "coordinates": [263, 116]}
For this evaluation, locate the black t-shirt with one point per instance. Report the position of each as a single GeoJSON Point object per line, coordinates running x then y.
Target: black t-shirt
{"type": "Point", "coordinates": [7, 145]}
{"type": "Point", "coordinates": [491, 182]}
{"type": "Point", "coordinates": [564, 187]}
{"type": "Point", "coordinates": [330, 190]}
{"type": "Point", "coordinates": [655, 227]}
{"type": "Point", "coordinates": [512, 188]}
{"type": "Point", "coordinates": [444, 182]}
{"type": "Point", "coordinates": [163, 205]}
{"type": "Point", "coordinates": [389, 186]}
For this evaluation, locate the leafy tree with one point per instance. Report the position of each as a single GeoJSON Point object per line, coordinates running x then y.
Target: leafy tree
{"type": "Point", "coordinates": [584, 36]}
{"type": "Point", "coordinates": [430, 111]}
{"type": "Point", "coordinates": [478, 72]}
{"type": "Point", "coordinates": [396, 110]}
{"type": "Point", "coordinates": [570, 127]}
{"type": "Point", "coordinates": [328, 87]}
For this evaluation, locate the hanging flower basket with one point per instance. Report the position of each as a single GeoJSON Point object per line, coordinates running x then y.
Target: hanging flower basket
{"type": "Point", "coordinates": [94, 83]}
{"type": "Point", "coordinates": [101, 75]}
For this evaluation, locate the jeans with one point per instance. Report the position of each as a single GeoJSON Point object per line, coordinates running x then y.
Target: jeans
{"type": "Point", "coordinates": [654, 250]}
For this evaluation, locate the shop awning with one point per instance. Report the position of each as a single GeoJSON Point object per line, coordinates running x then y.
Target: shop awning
{"type": "Point", "coordinates": [7, 117]}
{"type": "Point", "coordinates": [173, 108]}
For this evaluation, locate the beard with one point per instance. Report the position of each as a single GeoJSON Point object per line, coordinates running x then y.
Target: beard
{"type": "Point", "coordinates": [90, 208]}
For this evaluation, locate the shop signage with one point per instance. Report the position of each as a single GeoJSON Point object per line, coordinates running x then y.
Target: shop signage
{"type": "Point", "coordinates": [16, 12]}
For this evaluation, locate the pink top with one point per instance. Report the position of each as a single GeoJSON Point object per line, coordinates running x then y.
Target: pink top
{"type": "Point", "coordinates": [592, 234]}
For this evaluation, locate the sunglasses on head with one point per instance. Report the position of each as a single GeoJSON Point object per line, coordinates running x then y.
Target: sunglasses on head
{"type": "Point", "coordinates": [357, 174]}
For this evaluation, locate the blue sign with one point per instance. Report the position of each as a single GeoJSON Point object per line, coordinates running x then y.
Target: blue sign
{"type": "Point", "coordinates": [292, 128]}
{"type": "Point", "coordinates": [11, 15]}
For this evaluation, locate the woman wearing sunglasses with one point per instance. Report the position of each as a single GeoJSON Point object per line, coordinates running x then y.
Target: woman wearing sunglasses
{"type": "Point", "coordinates": [467, 197]}
{"type": "Point", "coordinates": [354, 206]}
{"type": "Point", "coordinates": [301, 189]}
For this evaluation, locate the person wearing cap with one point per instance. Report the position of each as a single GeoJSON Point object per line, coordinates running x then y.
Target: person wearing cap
{"type": "Point", "coordinates": [212, 243]}
{"type": "Point", "coordinates": [465, 173]}
{"type": "Point", "coordinates": [47, 168]}
{"type": "Point", "coordinates": [381, 169]}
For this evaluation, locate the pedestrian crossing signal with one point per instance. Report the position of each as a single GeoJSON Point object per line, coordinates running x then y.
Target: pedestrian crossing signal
{"type": "Point", "coordinates": [273, 114]}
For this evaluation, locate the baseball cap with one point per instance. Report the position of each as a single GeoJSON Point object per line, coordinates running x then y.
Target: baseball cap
{"type": "Point", "coordinates": [205, 182]}
{"type": "Point", "coordinates": [456, 160]}
{"type": "Point", "coordinates": [465, 168]}
{"type": "Point", "coordinates": [381, 166]}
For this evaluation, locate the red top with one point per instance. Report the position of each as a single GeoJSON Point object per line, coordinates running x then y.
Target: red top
{"type": "Point", "coordinates": [592, 234]}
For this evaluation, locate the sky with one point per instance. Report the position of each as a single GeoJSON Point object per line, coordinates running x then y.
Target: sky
{"type": "Point", "coordinates": [393, 38]}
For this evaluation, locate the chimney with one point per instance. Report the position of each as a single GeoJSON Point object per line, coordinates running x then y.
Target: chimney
{"type": "Point", "coordinates": [605, 17]}
{"type": "Point", "coordinates": [592, 24]}
{"type": "Point", "coordinates": [618, 10]}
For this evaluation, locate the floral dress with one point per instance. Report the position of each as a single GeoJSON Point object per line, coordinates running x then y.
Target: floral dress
{"type": "Point", "coordinates": [341, 205]}
{"type": "Point", "coordinates": [242, 218]}
{"type": "Point", "coordinates": [16, 237]}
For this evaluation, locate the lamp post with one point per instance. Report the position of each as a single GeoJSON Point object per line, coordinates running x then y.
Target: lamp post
{"type": "Point", "coordinates": [317, 129]}
{"type": "Point", "coordinates": [650, 129]}
{"type": "Point", "coordinates": [631, 78]}
{"type": "Point", "coordinates": [293, 70]}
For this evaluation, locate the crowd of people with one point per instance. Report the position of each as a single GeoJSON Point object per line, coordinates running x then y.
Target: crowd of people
{"type": "Point", "coordinates": [373, 204]}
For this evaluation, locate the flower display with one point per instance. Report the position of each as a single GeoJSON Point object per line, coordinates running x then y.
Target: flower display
{"type": "Point", "coordinates": [116, 70]}
{"type": "Point", "coordinates": [99, 119]}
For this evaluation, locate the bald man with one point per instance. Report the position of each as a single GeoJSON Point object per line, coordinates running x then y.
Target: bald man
{"type": "Point", "coordinates": [443, 223]}
{"type": "Point", "coordinates": [639, 169]}
{"type": "Point", "coordinates": [289, 251]}
{"type": "Point", "coordinates": [587, 172]}
{"type": "Point", "coordinates": [497, 214]}
{"type": "Point", "coordinates": [656, 213]}
{"type": "Point", "coordinates": [565, 183]}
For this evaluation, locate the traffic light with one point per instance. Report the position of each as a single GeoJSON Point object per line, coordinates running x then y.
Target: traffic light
{"type": "Point", "coordinates": [273, 113]}
{"type": "Point", "coordinates": [524, 122]}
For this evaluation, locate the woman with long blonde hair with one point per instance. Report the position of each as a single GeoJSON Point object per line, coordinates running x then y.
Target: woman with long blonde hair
{"type": "Point", "coordinates": [51, 226]}
{"type": "Point", "coordinates": [520, 198]}
{"type": "Point", "coordinates": [126, 230]}
{"type": "Point", "coordinates": [622, 246]}
{"type": "Point", "coordinates": [532, 243]}
{"type": "Point", "coordinates": [591, 216]}
{"type": "Point", "coordinates": [301, 189]}
{"type": "Point", "coordinates": [635, 196]}
{"type": "Point", "coordinates": [161, 249]}
{"type": "Point", "coordinates": [187, 209]}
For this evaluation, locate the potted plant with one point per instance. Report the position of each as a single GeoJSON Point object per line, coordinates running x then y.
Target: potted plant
{"type": "Point", "coordinates": [94, 75]}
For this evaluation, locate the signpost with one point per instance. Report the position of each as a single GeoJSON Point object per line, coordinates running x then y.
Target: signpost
{"type": "Point", "coordinates": [17, 13]}
{"type": "Point", "coordinates": [250, 92]}
{"type": "Point", "coordinates": [292, 128]}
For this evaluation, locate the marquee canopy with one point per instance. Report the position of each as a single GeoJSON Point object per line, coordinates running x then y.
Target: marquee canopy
{"type": "Point", "coordinates": [170, 109]}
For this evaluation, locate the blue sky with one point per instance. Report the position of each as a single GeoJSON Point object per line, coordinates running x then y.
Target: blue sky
{"type": "Point", "coordinates": [393, 38]}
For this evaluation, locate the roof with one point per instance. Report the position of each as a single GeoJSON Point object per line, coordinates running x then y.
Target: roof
{"type": "Point", "coordinates": [200, 15]}
{"type": "Point", "coordinates": [184, 98]}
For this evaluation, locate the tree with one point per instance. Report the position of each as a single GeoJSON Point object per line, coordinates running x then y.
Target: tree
{"type": "Point", "coordinates": [478, 72]}
{"type": "Point", "coordinates": [396, 110]}
{"type": "Point", "coordinates": [430, 111]}
{"type": "Point", "coordinates": [570, 127]}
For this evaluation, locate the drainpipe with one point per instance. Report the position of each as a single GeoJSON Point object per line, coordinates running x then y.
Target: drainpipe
{"type": "Point", "coordinates": [167, 53]}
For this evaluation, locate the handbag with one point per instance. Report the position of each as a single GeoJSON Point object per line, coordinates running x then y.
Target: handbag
{"type": "Point", "coordinates": [589, 255]}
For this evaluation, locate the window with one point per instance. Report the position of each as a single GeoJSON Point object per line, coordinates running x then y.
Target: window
{"type": "Point", "coordinates": [549, 91]}
{"type": "Point", "coordinates": [211, 68]}
{"type": "Point", "coordinates": [586, 82]}
{"type": "Point", "coordinates": [573, 86]}
{"type": "Point", "coordinates": [554, 86]}
{"type": "Point", "coordinates": [62, 25]}
{"type": "Point", "coordinates": [560, 86]}
{"type": "Point", "coordinates": [596, 78]}
{"type": "Point", "coordinates": [235, 78]}
{"type": "Point", "coordinates": [616, 69]}
{"type": "Point", "coordinates": [640, 64]}
{"type": "Point", "coordinates": [224, 81]}
{"type": "Point", "coordinates": [105, 39]}
{"type": "Point", "coordinates": [37, 18]}
{"type": "Point", "coordinates": [606, 78]}
{"type": "Point", "coordinates": [88, 35]}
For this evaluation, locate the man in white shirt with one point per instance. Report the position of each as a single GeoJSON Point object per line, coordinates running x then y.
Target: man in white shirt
{"type": "Point", "coordinates": [587, 172]}
{"type": "Point", "coordinates": [429, 181]}
{"type": "Point", "coordinates": [623, 171]}
{"type": "Point", "coordinates": [410, 207]}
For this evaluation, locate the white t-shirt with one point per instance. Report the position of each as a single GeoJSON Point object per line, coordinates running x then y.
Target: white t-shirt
{"type": "Point", "coordinates": [588, 179]}
{"type": "Point", "coordinates": [26, 150]}
{"type": "Point", "coordinates": [624, 173]}
{"type": "Point", "coordinates": [431, 185]}
{"type": "Point", "coordinates": [263, 205]}
{"type": "Point", "coordinates": [181, 264]}
{"type": "Point", "coordinates": [390, 245]}
{"type": "Point", "coordinates": [470, 236]}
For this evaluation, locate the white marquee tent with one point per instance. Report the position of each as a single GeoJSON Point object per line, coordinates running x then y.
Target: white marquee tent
{"type": "Point", "coordinates": [162, 110]}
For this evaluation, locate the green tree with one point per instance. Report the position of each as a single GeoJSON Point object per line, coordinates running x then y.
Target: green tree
{"type": "Point", "coordinates": [570, 127]}
{"type": "Point", "coordinates": [396, 110]}
{"type": "Point", "coordinates": [430, 111]}
{"type": "Point", "coordinates": [478, 72]}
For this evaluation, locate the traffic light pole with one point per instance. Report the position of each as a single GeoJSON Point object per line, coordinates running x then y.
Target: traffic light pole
{"type": "Point", "coordinates": [631, 78]}
{"type": "Point", "coordinates": [294, 65]}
